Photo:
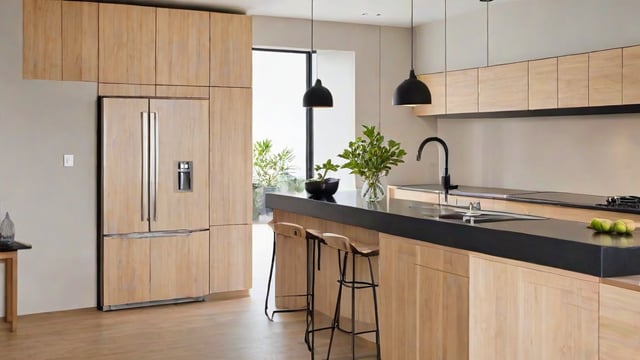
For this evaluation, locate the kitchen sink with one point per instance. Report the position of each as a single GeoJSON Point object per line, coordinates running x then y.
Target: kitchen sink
{"type": "Point", "coordinates": [464, 214]}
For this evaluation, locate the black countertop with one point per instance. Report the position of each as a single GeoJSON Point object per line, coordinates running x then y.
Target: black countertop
{"type": "Point", "coordinates": [562, 244]}
{"type": "Point", "coordinates": [6, 246]}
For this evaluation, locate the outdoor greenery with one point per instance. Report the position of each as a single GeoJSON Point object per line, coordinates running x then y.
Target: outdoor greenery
{"type": "Point", "coordinates": [269, 166]}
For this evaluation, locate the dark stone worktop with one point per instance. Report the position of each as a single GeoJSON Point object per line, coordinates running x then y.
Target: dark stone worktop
{"type": "Point", "coordinates": [562, 244]}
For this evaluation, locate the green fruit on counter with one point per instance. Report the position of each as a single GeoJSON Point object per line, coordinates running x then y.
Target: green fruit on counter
{"type": "Point", "coordinates": [631, 225]}
{"type": "Point", "coordinates": [605, 225]}
{"type": "Point", "coordinates": [619, 227]}
{"type": "Point", "coordinates": [595, 224]}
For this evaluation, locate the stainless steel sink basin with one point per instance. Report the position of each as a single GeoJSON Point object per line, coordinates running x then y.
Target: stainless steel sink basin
{"type": "Point", "coordinates": [463, 214]}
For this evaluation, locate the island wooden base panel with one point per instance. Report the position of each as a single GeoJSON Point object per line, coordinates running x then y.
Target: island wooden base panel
{"type": "Point", "coordinates": [230, 329]}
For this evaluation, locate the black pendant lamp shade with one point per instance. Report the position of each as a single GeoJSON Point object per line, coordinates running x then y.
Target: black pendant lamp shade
{"type": "Point", "coordinates": [412, 91]}
{"type": "Point", "coordinates": [317, 96]}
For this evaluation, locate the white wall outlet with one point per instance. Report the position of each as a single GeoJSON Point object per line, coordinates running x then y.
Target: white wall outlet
{"type": "Point", "coordinates": [68, 160]}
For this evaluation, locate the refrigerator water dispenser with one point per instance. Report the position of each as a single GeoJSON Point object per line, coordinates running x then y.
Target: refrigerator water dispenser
{"type": "Point", "coordinates": [185, 171]}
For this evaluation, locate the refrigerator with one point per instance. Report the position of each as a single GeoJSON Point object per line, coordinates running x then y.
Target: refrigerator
{"type": "Point", "coordinates": [153, 218]}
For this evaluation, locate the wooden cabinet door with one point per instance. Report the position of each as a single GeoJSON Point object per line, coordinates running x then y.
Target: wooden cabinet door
{"type": "Point", "coordinates": [398, 298]}
{"type": "Point", "coordinates": [231, 42]}
{"type": "Point", "coordinates": [182, 135]}
{"type": "Point", "coordinates": [42, 40]}
{"type": "Point", "coordinates": [124, 175]}
{"type": "Point", "coordinates": [462, 91]}
{"type": "Point", "coordinates": [230, 254]}
{"type": "Point", "coordinates": [127, 44]}
{"type": "Point", "coordinates": [605, 77]}
{"type": "Point", "coordinates": [619, 323]}
{"type": "Point", "coordinates": [179, 266]}
{"type": "Point", "coordinates": [573, 81]}
{"type": "Point", "coordinates": [230, 156]}
{"type": "Point", "coordinates": [79, 41]}
{"type": "Point", "coordinates": [522, 313]}
{"type": "Point", "coordinates": [182, 47]}
{"type": "Point", "coordinates": [125, 271]}
{"type": "Point", "coordinates": [435, 82]}
{"type": "Point", "coordinates": [631, 75]}
{"type": "Point", "coordinates": [543, 84]}
{"type": "Point", "coordinates": [503, 87]}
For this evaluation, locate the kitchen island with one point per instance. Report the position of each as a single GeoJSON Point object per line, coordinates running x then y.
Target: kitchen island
{"type": "Point", "coordinates": [502, 290]}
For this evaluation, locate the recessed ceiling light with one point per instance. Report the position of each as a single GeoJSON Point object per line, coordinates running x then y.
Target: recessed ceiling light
{"type": "Point", "coordinates": [365, 14]}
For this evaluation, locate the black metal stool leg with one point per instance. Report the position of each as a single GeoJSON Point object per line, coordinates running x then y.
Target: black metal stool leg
{"type": "Point", "coordinates": [336, 313]}
{"type": "Point", "coordinates": [353, 305]}
{"type": "Point", "coordinates": [266, 300]}
{"type": "Point", "coordinates": [375, 307]}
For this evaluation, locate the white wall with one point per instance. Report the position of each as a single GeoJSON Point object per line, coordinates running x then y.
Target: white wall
{"type": "Point", "coordinates": [588, 154]}
{"type": "Point", "coordinates": [53, 208]}
{"type": "Point", "coordinates": [381, 63]}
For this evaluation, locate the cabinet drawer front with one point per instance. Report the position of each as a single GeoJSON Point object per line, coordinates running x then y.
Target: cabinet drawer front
{"type": "Point", "coordinates": [443, 260]}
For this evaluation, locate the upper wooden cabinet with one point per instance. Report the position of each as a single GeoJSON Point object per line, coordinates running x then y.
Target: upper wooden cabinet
{"type": "Point", "coordinates": [462, 91]}
{"type": "Point", "coordinates": [605, 77]}
{"type": "Point", "coordinates": [573, 81]}
{"type": "Point", "coordinates": [436, 85]}
{"type": "Point", "coordinates": [42, 43]}
{"type": "Point", "coordinates": [127, 40]}
{"type": "Point", "coordinates": [79, 41]}
{"type": "Point", "coordinates": [231, 41]}
{"type": "Point", "coordinates": [631, 75]}
{"type": "Point", "coordinates": [182, 47]}
{"type": "Point", "coordinates": [543, 84]}
{"type": "Point", "coordinates": [503, 87]}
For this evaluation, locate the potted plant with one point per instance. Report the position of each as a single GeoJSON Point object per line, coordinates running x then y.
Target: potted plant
{"type": "Point", "coordinates": [269, 168]}
{"type": "Point", "coordinates": [370, 158]}
{"type": "Point", "coordinates": [321, 185]}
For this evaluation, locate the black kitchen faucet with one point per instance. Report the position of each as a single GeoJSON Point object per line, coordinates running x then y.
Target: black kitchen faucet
{"type": "Point", "coordinates": [446, 179]}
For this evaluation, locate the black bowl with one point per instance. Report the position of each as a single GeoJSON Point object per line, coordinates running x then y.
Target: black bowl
{"type": "Point", "coordinates": [331, 186]}
{"type": "Point", "coordinates": [319, 188]}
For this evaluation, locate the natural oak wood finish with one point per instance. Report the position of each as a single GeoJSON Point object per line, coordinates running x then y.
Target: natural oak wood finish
{"type": "Point", "coordinates": [230, 258]}
{"type": "Point", "coordinates": [127, 41]}
{"type": "Point", "coordinates": [436, 85]}
{"type": "Point", "coordinates": [462, 91]}
{"type": "Point", "coordinates": [231, 41]}
{"type": "Point", "coordinates": [42, 40]}
{"type": "Point", "coordinates": [631, 75]}
{"type": "Point", "coordinates": [179, 120]}
{"type": "Point", "coordinates": [122, 166]}
{"type": "Point", "coordinates": [179, 266]}
{"type": "Point", "coordinates": [230, 156]}
{"type": "Point", "coordinates": [126, 90]}
{"type": "Point", "coordinates": [79, 41]}
{"type": "Point", "coordinates": [126, 271]}
{"type": "Point", "coordinates": [543, 84]}
{"type": "Point", "coordinates": [619, 323]}
{"type": "Point", "coordinates": [573, 81]}
{"type": "Point", "coordinates": [605, 77]}
{"type": "Point", "coordinates": [394, 192]}
{"type": "Point", "coordinates": [182, 47]}
{"type": "Point", "coordinates": [503, 87]}
{"type": "Point", "coordinates": [10, 259]}
{"type": "Point", "coordinates": [520, 313]}
{"type": "Point", "coordinates": [200, 92]}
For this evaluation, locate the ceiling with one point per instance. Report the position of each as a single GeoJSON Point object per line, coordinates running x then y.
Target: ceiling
{"type": "Point", "coordinates": [374, 12]}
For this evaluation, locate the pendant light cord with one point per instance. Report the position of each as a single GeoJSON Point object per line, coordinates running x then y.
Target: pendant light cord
{"type": "Point", "coordinates": [445, 41]}
{"type": "Point", "coordinates": [411, 34]}
{"type": "Point", "coordinates": [311, 27]}
{"type": "Point", "coordinates": [488, 33]}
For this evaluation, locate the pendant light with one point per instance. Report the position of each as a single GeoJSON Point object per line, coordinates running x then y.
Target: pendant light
{"type": "Point", "coordinates": [317, 95]}
{"type": "Point", "coordinates": [412, 91]}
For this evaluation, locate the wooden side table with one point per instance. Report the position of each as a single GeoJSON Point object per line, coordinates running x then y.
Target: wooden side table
{"type": "Point", "coordinates": [9, 254]}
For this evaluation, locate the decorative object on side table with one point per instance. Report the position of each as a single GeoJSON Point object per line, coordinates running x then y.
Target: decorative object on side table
{"type": "Point", "coordinates": [7, 229]}
{"type": "Point", "coordinates": [322, 185]}
{"type": "Point", "coordinates": [269, 168]}
{"type": "Point", "coordinates": [371, 159]}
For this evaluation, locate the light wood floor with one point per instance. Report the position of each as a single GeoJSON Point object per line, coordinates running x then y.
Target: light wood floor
{"type": "Point", "coordinates": [224, 329]}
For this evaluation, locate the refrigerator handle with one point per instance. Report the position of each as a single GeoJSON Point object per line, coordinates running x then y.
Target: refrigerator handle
{"type": "Point", "coordinates": [144, 176]}
{"type": "Point", "coordinates": [156, 155]}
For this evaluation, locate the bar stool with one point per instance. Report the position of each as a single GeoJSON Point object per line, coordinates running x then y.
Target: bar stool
{"type": "Point", "coordinates": [346, 247]}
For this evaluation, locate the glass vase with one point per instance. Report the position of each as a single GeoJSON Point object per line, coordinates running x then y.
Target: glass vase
{"type": "Point", "coordinates": [372, 189]}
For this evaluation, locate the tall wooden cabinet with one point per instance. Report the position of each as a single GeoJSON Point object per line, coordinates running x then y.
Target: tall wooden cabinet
{"type": "Point", "coordinates": [79, 41]}
{"type": "Point", "coordinates": [231, 41]}
{"type": "Point", "coordinates": [42, 43]}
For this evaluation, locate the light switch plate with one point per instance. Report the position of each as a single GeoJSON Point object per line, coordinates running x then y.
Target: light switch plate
{"type": "Point", "coordinates": [68, 160]}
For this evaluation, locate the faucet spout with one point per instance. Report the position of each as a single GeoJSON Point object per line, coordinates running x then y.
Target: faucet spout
{"type": "Point", "coordinates": [446, 178]}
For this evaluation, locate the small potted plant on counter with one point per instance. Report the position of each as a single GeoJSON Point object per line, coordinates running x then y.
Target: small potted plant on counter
{"type": "Point", "coordinates": [370, 158]}
{"type": "Point", "coordinates": [322, 185]}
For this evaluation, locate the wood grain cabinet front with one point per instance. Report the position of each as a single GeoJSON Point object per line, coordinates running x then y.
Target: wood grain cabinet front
{"type": "Point", "coordinates": [436, 84]}
{"type": "Point", "coordinates": [543, 84]}
{"type": "Point", "coordinates": [127, 41]}
{"type": "Point", "coordinates": [619, 323]}
{"type": "Point", "coordinates": [631, 75]}
{"type": "Point", "coordinates": [230, 265]}
{"type": "Point", "coordinates": [503, 87]}
{"type": "Point", "coordinates": [182, 47]}
{"type": "Point", "coordinates": [573, 81]}
{"type": "Point", "coordinates": [605, 77]}
{"type": "Point", "coordinates": [79, 41]}
{"type": "Point", "coordinates": [231, 41]}
{"type": "Point", "coordinates": [42, 40]}
{"type": "Point", "coordinates": [462, 91]}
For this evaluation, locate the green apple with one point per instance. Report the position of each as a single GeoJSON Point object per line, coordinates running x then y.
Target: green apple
{"type": "Point", "coordinates": [619, 227]}
{"type": "Point", "coordinates": [606, 225]}
{"type": "Point", "coordinates": [596, 224]}
{"type": "Point", "coordinates": [631, 225]}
